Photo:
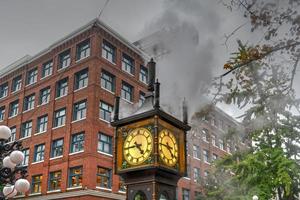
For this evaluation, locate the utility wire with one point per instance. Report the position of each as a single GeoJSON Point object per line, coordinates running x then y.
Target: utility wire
{"type": "Point", "coordinates": [101, 11]}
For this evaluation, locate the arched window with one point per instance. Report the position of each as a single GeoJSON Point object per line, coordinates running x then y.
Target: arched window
{"type": "Point", "coordinates": [140, 196]}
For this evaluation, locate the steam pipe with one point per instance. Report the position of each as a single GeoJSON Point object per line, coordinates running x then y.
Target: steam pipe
{"type": "Point", "coordinates": [156, 94]}
{"type": "Point", "coordinates": [152, 74]}
{"type": "Point", "coordinates": [184, 112]}
{"type": "Point", "coordinates": [117, 108]}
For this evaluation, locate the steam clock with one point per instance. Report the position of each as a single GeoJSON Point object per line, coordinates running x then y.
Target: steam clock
{"type": "Point", "coordinates": [150, 147]}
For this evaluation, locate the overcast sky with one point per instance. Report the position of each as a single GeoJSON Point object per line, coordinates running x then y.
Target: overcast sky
{"type": "Point", "coordinates": [29, 26]}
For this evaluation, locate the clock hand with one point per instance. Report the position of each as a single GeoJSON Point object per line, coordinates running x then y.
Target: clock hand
{"type": "Point", "coordinates": [130, 147]}
{"type": "Point", "coordinates": [169, 148]}
{"type": "Point", "coordinates": [138, 146]}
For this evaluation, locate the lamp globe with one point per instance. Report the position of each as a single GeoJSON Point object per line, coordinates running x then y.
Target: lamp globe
{"type": "Point", "coordinates": [8, 163]}
{"type": "Point", "coordinates": [5, 132]}
{"type": "Point", "coordinates": [22, 185]}
{"type": "Point", "coordinates": [9, 191]}
{"type": "Point", "coordinates": [17, 157]}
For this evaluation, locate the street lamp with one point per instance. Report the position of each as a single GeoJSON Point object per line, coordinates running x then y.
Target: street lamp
{"type": "Point", "coordinates": [255, 197]}
{"type": "Point", "coordinates": [12, 174]}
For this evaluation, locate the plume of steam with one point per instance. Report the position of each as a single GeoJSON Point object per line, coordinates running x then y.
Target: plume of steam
{"type": "Point", "coordinates": [184, 51]}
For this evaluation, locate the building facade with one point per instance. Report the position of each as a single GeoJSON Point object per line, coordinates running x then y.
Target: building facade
{"type": "Point", "coordinates": [59, 103]}
{"type": "Point", "coordinates": [206, 142]}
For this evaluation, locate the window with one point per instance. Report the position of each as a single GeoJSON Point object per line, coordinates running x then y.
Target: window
{"type": "Point", "coordinates": [26, 157]}
{"type": "Point", "coordinates": [214, 157]}
{"type": "Point", "coordinates": [108, 51]}
{"type": "Point", "coordinates": [31, 76]}
{"type": "Point", "coordinates": [83, 50]}
{"type": "Point", "coordinates": [2, 113]}
{"type": "Point", "coordinates": [144, 74]}
{"type": "Point", "coordinates": [42, 124]}
{"type": "Point", "coordinates": [122, 186]}
{"type": "Point", "coordinates": [104, 143]}
{"type": "Point", "coordinates": [62, 88]}
{"type": "Point", "coordinates": [206, 174]}
{"type": "Point", "coordinates": [81, 79]}
{"type": "Point", "coordinates": [26, 129]}
{"type": "Point", "coordinates": [16, 84]}
{"type": "Point", "coordinates": [105, 111]}
{"type": "Point", "coordinates": [196, 152]}
{"type": "Point", "coordinates": [47, 69]}
{"type": "Point", "coordinates": [127, 64]}
{"type": "Point", "coordinates": [57, 148]}
{"type": "Point", "coordinates": [206, 156]}
{"type": "Point", "coordinates": [64, 59]}
{"type": "Point", "coordinates": [108, 81]}
{"type": "Point", "coordinates": [197, 175]}
{"type": "Point", "coordinates": [75, 177]}
{"type": "Point", "coordinates": [44, 96]}
{"type": "Point", "coordinates": [213, 121]}
{"type": "Point", "coordinates": [29, 102]}
{"type": "Point", "coordinates": [185, 194]}
{"type": "Point", "coordinates": [103, 177]}
{"type": "Point", "coordinates": [79, 110]}
{"type": "Point", "coordinates": [3, 90]}
{"type": "Point", "coordinates": [36, 184]}
{"type": "Point", "coordinates": [213, 140]}
{"type": "Point", "coordinates": [13, 134]}
{"type": "Point", "coordinates": [142, 98]}
{"type": "Point", "coordinates": [59, 117]}
{"type": "Point", "coordinates": [188, 172]}
{"type": "Point", "coordinates": [205, 135]}
{"type": "Point", "coordinates": [39, 152]}
{"type": "Point", "coordinates": [127, 92]}
{"type": "Point", "coordinates": [77, 143]}
{"type": "Point", "coordinates": [228, 146]}
{"type": "Point", "coordinates": [55, 180]}
{"type": "Point", "coordinates": [221, 144]}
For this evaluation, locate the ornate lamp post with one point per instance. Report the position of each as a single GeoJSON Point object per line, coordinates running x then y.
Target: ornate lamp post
{"type": "Point", "coordinates": [12, 174]}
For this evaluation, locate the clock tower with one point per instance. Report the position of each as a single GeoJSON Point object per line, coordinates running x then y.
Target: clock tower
{"type": "Point", "coordinates": [150, 147]}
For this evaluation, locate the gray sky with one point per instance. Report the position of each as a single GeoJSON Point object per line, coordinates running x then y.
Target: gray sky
{"type": "Point", "coordinates": [29, 26]}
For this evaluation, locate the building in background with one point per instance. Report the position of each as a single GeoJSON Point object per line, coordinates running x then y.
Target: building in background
{"type": "Point", "coordinates": [59, 103]}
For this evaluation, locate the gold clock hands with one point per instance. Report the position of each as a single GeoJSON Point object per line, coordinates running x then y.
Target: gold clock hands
{"type": "Point", "coordinates": [169, 148]}
{"type": "Point", "coordinates": [130, 147]}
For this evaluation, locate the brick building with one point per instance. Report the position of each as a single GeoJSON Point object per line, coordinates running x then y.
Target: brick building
{"type": "Point", "coordinates": [207, 141]}
{"type": "Point", "coordinates": [58, 103]}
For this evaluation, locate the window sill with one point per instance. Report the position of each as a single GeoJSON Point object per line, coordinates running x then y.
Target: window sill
{"type": "Point", "coordinates": [80, 88]}
{"type": "Point", "coordinates": [145, 83]}
{"type": "Point", "coordinates": [25, 111]}
{"type": "Point", "coordinates": [42, 78]}
{"type": "Point", "coordinates": [106, 154]}
{"type": "Point", "coordinates": [70, 154]}
{"type": "Point", "coordinates": [43, 104]}
{"type": "Point", "coordinates": [35, 194]}
{"type": "Point", "coordinates": [197, 158]}
{"type": "Point", "coordinates": [108, 60]}
{"type": "Point", "coordinates": [3, 97]}
{"type": "Point", "coordinates": [37, 162]}
{"type": "Point", "coordinates": [53, 191]}
{"type": "Point", "coordinates": [128, 73]}
{"type": "Point", "coordinates": [74, 188]}
{"type": "Point", "coordinates": [103, 188]}
{"type": "Point", "coordinates": [23, 138]}
{"type": "Point", "coordinates": [108, 122]}
{"type": "Point", "coordinates": [57, 157]}
{"type": "Point", "coordinates": [108, 90]}
{"type": "Point", "coordinates": [61, 96]}
{"type": "Point", "coordinates": [14, 92]}
{"type": "Point", "coordinates": [12, 116]}
{"type": "Point", "coordinates": [187, 178]}
{"type": "Point", "coordinates": [205, 141]}
{"type": "Point", "coordinates": [122, 192]}
{"type": "Point", "coordinates": [80, 59]}
{"type": "Point", "coordinates": [127, 101]}
{"type": "Point", "coordinates": [39, 133]}
{"type": "Point", "coordinates": [207, 163]}
{"type": "Point", "coordinates": [58, 127]}
{"type": "Point", "coordinates": [63, 68]}
{"type": "Point", "coordinates": [78, 120]}
{"type": "Point", "coordinates": [30, 84]}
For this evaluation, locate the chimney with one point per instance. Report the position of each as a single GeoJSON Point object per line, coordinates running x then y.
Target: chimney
{"type": "Point", "coordinates": [184, 112]}
{"type": "Point", "coordinates": [151, 68]}
{"type": "Point", "coordinates": [156, 94]}
{"type": "Point", "coordinates": [116, 108]}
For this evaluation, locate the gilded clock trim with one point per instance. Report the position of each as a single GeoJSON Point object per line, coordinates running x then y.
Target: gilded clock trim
{"type": "Point", "coordinates": [138, 146]}
{"type": "Point", "coordinates": [168, 147]}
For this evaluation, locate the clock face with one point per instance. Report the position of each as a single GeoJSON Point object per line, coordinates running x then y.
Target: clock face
{"type": "Point", "coordinates": [137, 146]}
{"type": "Point", "coordinates": [168, 148]}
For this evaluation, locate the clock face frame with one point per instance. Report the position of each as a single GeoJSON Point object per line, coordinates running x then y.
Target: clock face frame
{"type": "Point", "coordinates": [138, 146]}
{"type": "Point", "coordinates": [168, 147]}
